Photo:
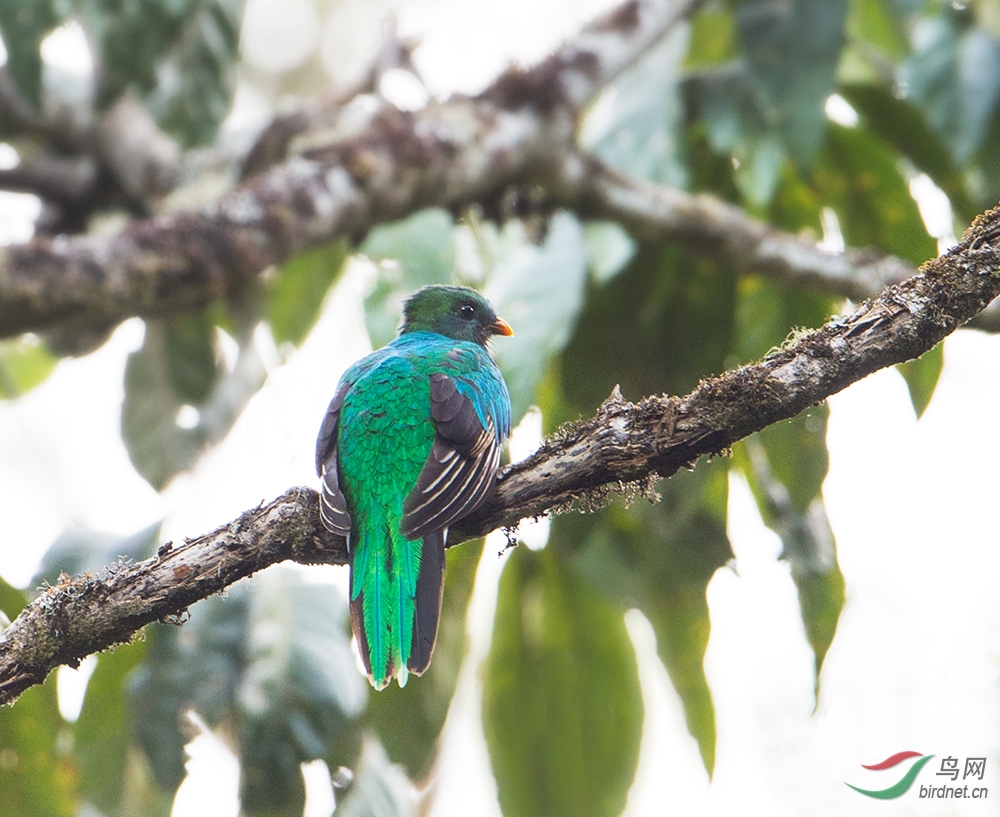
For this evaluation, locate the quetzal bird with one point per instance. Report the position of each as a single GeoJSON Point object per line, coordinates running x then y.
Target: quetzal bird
{"type": "Point", "coordinates": [410, 444]}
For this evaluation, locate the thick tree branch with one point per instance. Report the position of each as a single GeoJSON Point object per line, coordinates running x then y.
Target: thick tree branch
{"type": "Point", "coordinates": [345, 180]}
{"type": "Point", "coordinates": [623, 443]}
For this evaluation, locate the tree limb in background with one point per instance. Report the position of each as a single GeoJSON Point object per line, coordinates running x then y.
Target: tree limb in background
{"type": "Point", "coordinates": [711, 227]}
{"type": "Point", "coordinates": [345, 180]}
{"type": "Point", "coordinates": [624, 443]}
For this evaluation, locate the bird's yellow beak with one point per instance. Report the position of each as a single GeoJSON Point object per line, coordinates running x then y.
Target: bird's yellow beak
{"type": "Point", "coordinates": [501, 327]}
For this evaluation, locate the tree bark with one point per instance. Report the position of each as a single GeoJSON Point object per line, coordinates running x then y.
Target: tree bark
{"type": "Point", "coordinates": [624, 447]}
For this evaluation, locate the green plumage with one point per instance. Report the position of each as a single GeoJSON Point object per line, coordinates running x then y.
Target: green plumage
{"type": "Point", "coordinates": [410, 444]}
{"type": "Point", "coordinates": [382, 452]}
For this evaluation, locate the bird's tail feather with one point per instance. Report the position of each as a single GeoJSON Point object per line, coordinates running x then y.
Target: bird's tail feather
{"type": "Point", "coordinates": [396, 587]}
{"type": "Point", "coordinates": [427, 609]}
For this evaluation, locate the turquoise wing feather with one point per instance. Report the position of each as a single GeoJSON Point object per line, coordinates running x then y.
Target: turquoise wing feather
{"type": "Point", "coordinates": [411, 443]}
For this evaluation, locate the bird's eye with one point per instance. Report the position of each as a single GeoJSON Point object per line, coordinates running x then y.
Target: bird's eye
{"type": "Point", "coordinates": [467, 311]}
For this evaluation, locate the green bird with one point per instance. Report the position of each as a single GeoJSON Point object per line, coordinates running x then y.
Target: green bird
{"type": "Point", "coordinates": [410, 444]}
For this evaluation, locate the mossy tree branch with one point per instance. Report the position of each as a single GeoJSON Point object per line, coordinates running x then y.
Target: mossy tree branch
{"type": "Point", "coordinates": [623, 443]}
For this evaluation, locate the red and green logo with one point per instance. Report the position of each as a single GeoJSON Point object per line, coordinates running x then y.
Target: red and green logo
{"type": "Point", "coordinates": [903, 783]}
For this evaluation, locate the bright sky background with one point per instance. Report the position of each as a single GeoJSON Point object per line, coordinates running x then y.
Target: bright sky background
{"type": "Point", "coordinates": [915, 661]}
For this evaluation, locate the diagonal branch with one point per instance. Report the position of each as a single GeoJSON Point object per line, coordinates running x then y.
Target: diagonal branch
{"type": "Point", "coordinates": [346, 179]}
{"type": "Point", "coordinates": [622, 443]}
{"type": "Point", "coordinates": [712, 227]}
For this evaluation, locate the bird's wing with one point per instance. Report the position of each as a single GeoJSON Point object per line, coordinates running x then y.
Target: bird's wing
{"type": "Point", "coordinates": [332, 504]}
{"type": "Point", "coordinates": [462, 464]}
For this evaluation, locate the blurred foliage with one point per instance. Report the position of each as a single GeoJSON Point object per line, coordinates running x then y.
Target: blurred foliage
{"type": "Point", "coordinates": [815, 115]}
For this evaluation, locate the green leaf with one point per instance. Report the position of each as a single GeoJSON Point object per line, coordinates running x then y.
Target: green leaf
{"type": "Point", "coordinates": [201, 62]}
{"type": "Point", "coordinates": [299, 690]}
{"type": "Point", "coordinates": [295, 298]}
{"type": "Point", "coordinates": [922, 376]}
{"type": "Point", "coordinates": [408, 721]}
{"type": "Point", "coordinates": [114, 777]}
{"type": "Point", "coordinates": [189, 355]}
{"type": "Point", "coordinates": [859, 176]}
{"type": "Point", "coordinates": [12, 601]}
{"type": "Point", "coordinates": [789, 460]}
{"type": "Point", "coordinates": [270, 664]}
{"type": "Point", "coordinates": [791, 51]}
{"type": "Point", "coordinates": [609, 249]}
{"type": "Point", "coordinates": [178, 55]}
{"type": "Point", "coordinates": [177, 371]}
{"type": "Point", "coordinates": [660, 559]}
{"type": "Point", "coordinates": [954, 75]}
{"type": "Point", "coordinates": [157, 445]}
{"type": "Point", "coordinates": [735, 127]}
{"type": "Point", "coordinates": [131, 40]}
{"type": "Point", "coordinates": [634, 125]}
{"type": "Point", "coordinates": [539, 291]}
{"type": "Point", "coordinates": [785, 466]}
{"type": "Point", "coordinates": [24, 24]}
{"type": "Point", "coordinates": [24, 363]}
{"type": "Point", "coordinates": [562, 709]}
{"type": "Point", "coordinates": [35, 777]}
{"type": "Point", "coordinates": [713, 39]}
{"type": "Point", "coordinates": [379, 788]}
{"type": "Point", "coordinates": [194, 667]}
{"type": "Point", "coordinates": [871, 22]}
{"type": "Point", "coordinates": [903, 128]}
{"type": "Point", "coordinates": [421, 250]}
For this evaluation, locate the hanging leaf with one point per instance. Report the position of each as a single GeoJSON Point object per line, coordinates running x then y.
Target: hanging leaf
{"type": "Point", "coordinates": [23, 26]}
{"type": "Point", "coordinates": [197, 666]}
{"type": "Point", "coordinates": [609, 249]}
{"type": "Point", "coordinates": [660, 325]}
{"type": "Point", "coordinates": [299, 690]}
{"type": "Point", "coordinates": [921, 377]}
{"type": "Point", "coordinates": [954, 76]}
{"type": "Point", "coordinates": [792, 51]}
{"type": "Point", "coordinates": [24, 363]}
{"type": "Point", "coordinates": [790, 504]}
{"type": "Point", "coordinates": [379, 788]}
{"type": "Point", "coordinates": [35, 778]}
{"type": "Point", "coordinates": [197, 78]}
{"type": "Point", "coordinates": [539, 291]}
{"type": "Point", "coordinates": [562, 707]}
{"type": "Point", "coordinates": [179, 397]}
{"type": "Point", "coordinates": [114, 775]}
{"type": "Point", "coordinates": [660, 558]}
{"type": "Point", "coordinates": [421, 251]}
{"type": "Point", "coordinates": [296, 296]}
{"type": "Point", "coordinates": [408, 721]}
{"type": "Point", "coordinates": [634, 125]}
{"type": "Point", "coordinates": [158, 445]}
{"type": "Point", "coordinates": [903, 128]}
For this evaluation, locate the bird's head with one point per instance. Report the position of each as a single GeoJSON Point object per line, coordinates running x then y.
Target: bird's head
{"type": "Point", "coordinates": [459, 313]}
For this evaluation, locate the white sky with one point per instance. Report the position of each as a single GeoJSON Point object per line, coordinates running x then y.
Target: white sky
{"type": "Point", "coordinates": [915, 662]}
